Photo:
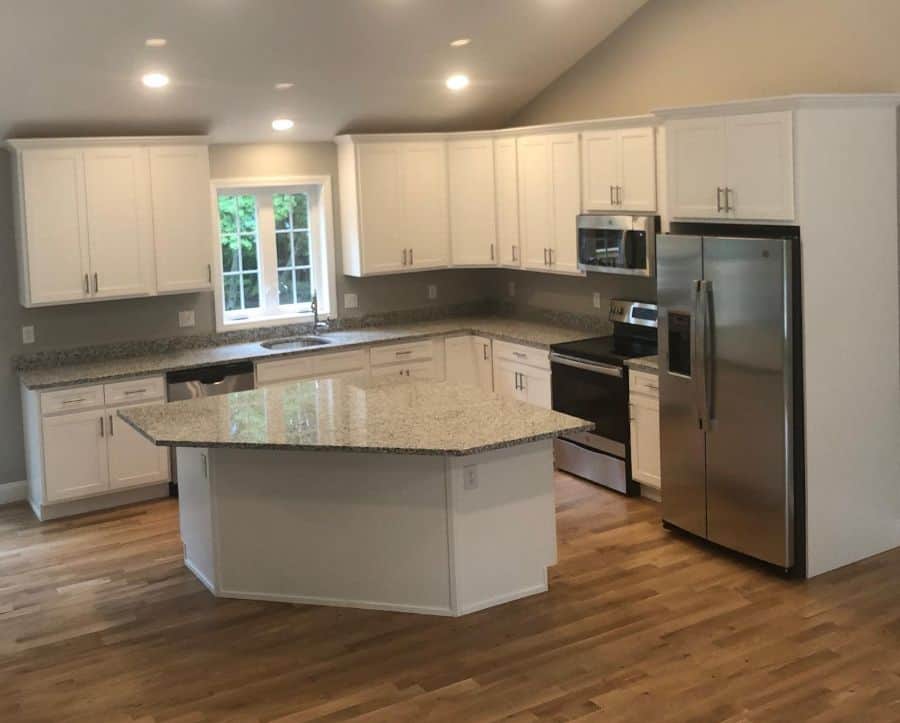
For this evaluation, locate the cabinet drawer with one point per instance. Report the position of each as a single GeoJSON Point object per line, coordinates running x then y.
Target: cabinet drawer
{"type": "Point", "coordinates": [135, 390]}
{"type": "Point", "coordinates": [414, 370]}
{"type": "Point", "coordinates": [296, 368]}
{"type": "Point", "coordinates": [413, 351]}
{"type": "Point", "coordinates": [348, 361]}
{"type": "Point", "coordinates": [643, 383]}
{"type": "Point", "coordinates": [538, 358]}
{"type": "Point", "coordinates": [74, 399]}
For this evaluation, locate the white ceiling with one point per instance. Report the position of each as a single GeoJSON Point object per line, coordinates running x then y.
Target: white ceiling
{"type": "Point", "coordinates": [73, 67]}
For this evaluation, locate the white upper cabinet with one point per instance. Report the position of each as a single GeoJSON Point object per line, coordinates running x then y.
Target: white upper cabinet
{"type": "Point", "coordinates": [120, 231]}
{"type": "Point", "coordinates": [734, 167]}
{"type": "Point", "coordinates": [51, 227]}
{"type": "Point", "coordinates": [394, 206]}
{"type": "Point", "coordinates": [182, 217]}
{"type": "Point", "coordinates": [565, 188]}
{"type": "Point", "coordinates": [93, 224]}
{"type": "Point", "coordinates": [506, 184]}
{"type": "Point", "coordinates": [473, 226]}
{"type": "Point", "coordinates": [619, 169]}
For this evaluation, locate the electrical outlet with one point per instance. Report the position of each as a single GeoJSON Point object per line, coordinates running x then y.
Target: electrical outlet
{"type": "Point", "coordinates": [598, 301]}
{"type": "Point", "coordinates": [186, 319]}
{"type": "Point", "coordinates": [511, 288]}
{"type": "Point", "coordinates": [351, 301]}
{"type": "Point", "coordinates": [28, 335]}
{"type": "Point", "coordinates": [470, 477]}
{"type": "Point", "coordinates": [432, 291]}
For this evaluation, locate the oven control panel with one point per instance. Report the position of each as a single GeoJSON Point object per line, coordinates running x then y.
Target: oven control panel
{"type": "Point", "coordinates": [638, 313]}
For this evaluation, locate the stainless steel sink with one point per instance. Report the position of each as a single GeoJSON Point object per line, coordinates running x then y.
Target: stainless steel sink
{"type": "Point", "coordinates": [294, 342]}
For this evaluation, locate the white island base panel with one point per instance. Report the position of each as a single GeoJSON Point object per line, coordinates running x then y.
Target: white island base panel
{"type": "Point", "coordinates": [421, 534]}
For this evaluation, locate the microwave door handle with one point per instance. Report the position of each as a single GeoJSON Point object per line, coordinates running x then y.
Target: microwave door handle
{"type": "Point", "coordinates": [698, 361]}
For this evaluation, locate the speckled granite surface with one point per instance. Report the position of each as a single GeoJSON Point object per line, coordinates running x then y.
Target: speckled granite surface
{"type": "Point", "coordinates": [531, 333]}
{"type": "Point", "coordinates": [649, 364]}
{"type": "Point", "coordinates": [434, 418]}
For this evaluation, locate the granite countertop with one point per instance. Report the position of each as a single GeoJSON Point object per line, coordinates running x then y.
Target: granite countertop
{"type": "Point", "coordinates": [649, 364]}
{"type": "Point", "coordinates": [530, 333]}
{"type": "Point", "coordinates": [432, 418]}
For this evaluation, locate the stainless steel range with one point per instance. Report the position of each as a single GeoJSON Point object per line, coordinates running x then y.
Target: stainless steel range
{"type": "Point", "coordinates": [590, 380]}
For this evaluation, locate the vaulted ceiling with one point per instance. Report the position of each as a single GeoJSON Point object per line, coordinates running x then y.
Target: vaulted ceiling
{"type": "Point", "coordinates": [73, 67]}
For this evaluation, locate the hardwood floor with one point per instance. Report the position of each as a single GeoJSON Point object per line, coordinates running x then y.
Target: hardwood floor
{"type": "Point", "coordinates": [100, 621]}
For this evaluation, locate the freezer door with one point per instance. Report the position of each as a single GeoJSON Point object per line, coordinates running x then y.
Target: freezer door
{"type": "Point", "coordinates": [682, 444]}
{"type": "Point", "coordinates": [748, 467]}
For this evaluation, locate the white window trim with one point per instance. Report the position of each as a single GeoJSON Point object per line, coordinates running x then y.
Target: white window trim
{"type": "Point", "coordinates": [326, 291]}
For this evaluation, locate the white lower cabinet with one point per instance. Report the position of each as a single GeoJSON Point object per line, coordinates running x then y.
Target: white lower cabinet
{"type": "Point", "coordinates": [522, 373]}
{"type": "Point", "coordinates": [132, 459]}
{"type": "Point", "coordinates": [470, 361]}
{"type": "Point", "coordinates": [75, 455]}
{"type": "Point", "coordinates": [643, 400]}
{"type": "Point", "coordinates": [422, 360]}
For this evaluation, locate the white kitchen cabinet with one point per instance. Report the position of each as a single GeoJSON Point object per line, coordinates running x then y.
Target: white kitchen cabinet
{"type": "Point", "coordinates": [133, 460]}
{"type": "Point", "coordinates": [506, 184]}
{"type": "Point", "coordinates": [394, 206]}
{"type": "Point", "coordinates": [182, 217]}
{"type": "Point", "coordinates": [522, 373]}
{"type": "Point", "coordinates": [733, 167]}
{"type": "Point", "coordinates": [75, 455]}
{"type": "Point", "coordinates": [643, 400]}
{"type": "Point", "coordinates": [409, 360]}
{"type": "Point", "coordinates": [549, 201]}
{"type": "Point", "coordinates": [120, 229]}
{"type": "Point", "coordinates": [619, 169]}
{"type": "Point", "coordinates": [473, 227]}
{"type": "Point", "coordinates": [469, 361]}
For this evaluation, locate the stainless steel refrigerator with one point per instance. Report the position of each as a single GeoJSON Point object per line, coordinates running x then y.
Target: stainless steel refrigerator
{"type": "Point", "coordinates": [727, 392]}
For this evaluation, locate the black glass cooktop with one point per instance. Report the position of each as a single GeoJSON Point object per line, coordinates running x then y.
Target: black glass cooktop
{"type": "Point", "coordinates": [607, 349]}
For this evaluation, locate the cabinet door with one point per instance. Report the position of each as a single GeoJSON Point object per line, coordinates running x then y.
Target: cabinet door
{"type": "Point", "coordinates": [75, 461]}
{"type": "Point", "coordinates": [565, 164]}
{"type": "Point", "coordinates": [120, 231]}
{"type": "Point", "coordinates": [638, 170]}
{"type": "Point", "coordinates": [380, 205]}
{"type": "Point", "coordinates": [132, 459]}
{"type": "Point", "coordinates": [601, 158]}
{"type": "Point", "coordinates": [535, 201]}
{"type": "Point", "coordinates": [484, 363]}
{"type": "Point", "coordinates": [645, 464]}
{"type": "Point", "coordinates": [473, 228]}
{"type": "Point", "coordinates": [426, 218]}
{"type": "Point", "coordinates": [537, 387]}
{"type": "Point", "coordinates": [460, 360]}
{"type": "Point", "coordinates": [508, 380]}
{"type": "Point", "coordinates": [182, 218]}
{"type": "Point", "coordinates": [760, 166]}
{"type": "Point", "coordinates": [696, 160]}
{"type": "Point", "coordinates": [55, 226]}
{"type": "Point", "coordinates": [507, 193]}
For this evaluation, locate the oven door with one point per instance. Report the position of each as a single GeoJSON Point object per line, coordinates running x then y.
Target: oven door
{"type": "Point", "coordinates": [596, 392]}
{"type": "Point", "coordinates": [615, 251]}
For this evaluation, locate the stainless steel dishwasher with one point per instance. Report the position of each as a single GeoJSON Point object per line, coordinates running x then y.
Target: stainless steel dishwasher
{"type": "Point", "coordinates": [205, 382]}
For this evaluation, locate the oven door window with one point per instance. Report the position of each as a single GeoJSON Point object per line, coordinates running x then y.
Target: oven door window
{"type": "Point", "coordinates": [596, 397]}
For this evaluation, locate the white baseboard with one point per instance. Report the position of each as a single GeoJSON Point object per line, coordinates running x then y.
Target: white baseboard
{"type": "Point", "coordinates": [13, 492]}
{"type": "Point", "coordinates": [336, 602]}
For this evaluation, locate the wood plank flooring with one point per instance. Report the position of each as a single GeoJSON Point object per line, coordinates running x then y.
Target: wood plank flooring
{"type": "Point", "coordinates": [100, 621]}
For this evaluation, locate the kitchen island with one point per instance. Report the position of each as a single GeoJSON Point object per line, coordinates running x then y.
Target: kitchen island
{"type": "Point", "coordinates": [424, 497]}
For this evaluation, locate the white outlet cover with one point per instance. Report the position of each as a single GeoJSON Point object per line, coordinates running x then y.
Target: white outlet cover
{"type": "Point", "coordinates": [186, 318]}
{"type": "Point", "coordinates": [470, 477]}
{"type": "Point", "coordinates": [512, 288]}
{"type": "Point", "coordinates": [351, 301]}
{"type": "Point", "coordinates": [28, 335]}
{"type": "Point", "coordinates": [432, 291]}
{"type": "Point", "coordinates": [598, 300]}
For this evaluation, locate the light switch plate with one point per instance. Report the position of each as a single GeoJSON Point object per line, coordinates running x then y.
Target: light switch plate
{"type": "Point", "coordinates": [598, 301]}
{"type": "Point", "coordinates": [186, 319]}
{"type": "Point", "coordinates": [351, 301]}
{"type": "Point", "coordinates": [432, 291]}
{"type": "Point", "coordinates": [28, 335]}
{"type": "Point", "coordinates": [511, 288]}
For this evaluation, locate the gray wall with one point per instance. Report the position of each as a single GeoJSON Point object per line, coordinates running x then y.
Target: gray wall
{"type": "Point", "coordinates": [685, 52]}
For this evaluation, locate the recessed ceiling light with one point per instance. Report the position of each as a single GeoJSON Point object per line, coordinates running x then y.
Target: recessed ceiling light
{"type": "Point", "coordinates": [283, 86]}
{"type": "Point", "coordinates": [282, 124]}
{"type": "Point", "coordinates": [460, 42]}
{"type": "Point", "coordinates": [155, 80]}
{"type": "Point", "coordinates": [458, 81]}
{"type": "Point", "coordinates": [155, 42]}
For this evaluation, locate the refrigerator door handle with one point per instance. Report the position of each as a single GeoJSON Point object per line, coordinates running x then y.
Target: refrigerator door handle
{"type": "Point", "coordinates": [698, 355]}
{"type": "Point", "coordinates": [706, 294]}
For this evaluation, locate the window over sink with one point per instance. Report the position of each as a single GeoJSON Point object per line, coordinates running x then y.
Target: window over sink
{"type": "Point", "coordinates": [275, 249]}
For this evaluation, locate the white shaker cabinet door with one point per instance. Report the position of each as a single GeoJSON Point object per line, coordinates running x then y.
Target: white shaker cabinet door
{"type": "Point", "coordinates": [535, 201]}
{"type": "Point", "coordinates": [425, 207]}
{"type": "Point", "coordinates": [182, 218]}
{"type": "Point", "coordinates": [645, 444]}
{"type": "Point", "coordinates": [484, 362]}
{"type": "Point", "coordinates": [509, 380]}
{"type": "Point", "coordinates": [461, 367]}
{"type": "Point", "coordinates": [380, 167]}
{"type": "Point", "coordinates": [120, 228]}
{"type": "Point", "coordinates": [696, 161]}
{"type": "Point", "coordinates": [537, 387]}
{"type": "Point", "coordinates": [638, 169]}
{"type": "Point", "coordinates": [507, 196]}
{"type": "Point", "coordinates": [601, 160]}
{"type": "Point", "coordinates": [54, 227]}
{"type": "Point", "coordinates": [473, 227]}
{"type": "Point", "coordinates": [75, 459]}
{"type": "Point", "coordinates": [133, 460]}
{"type": "Point", "coordinates": [565, 184]}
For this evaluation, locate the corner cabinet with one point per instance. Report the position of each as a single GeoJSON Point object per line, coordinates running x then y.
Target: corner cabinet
{"type": "Point", "coordinates": [737, 167]}
{"type": "Point", "coordinates": [95, 220]}
{"type": "Point", "coordinates": [394, 205]}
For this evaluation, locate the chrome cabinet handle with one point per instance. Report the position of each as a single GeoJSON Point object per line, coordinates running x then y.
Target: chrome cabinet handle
{"type": "Point", "coordinates": [612, 200]}
{"type": "Point", "coordinates": [514, 250]}
{"type": "Point", "coordinates": [135, 391]}
{"type": "Point", "coordinates": [520, 354]}
{"type": "Point", "coordinates": [517, 381]}
{"type": "Point", "coordinates": [101, 428]}
{"type": "Point", "coordinates": [403, 353]}
{"type": "Point", "coordinates": [87, 284]}
{"type": "Point", "coordinates": [411, 257]}
{"type": "Point", "coordinates": [492, 252]}
{"type": "Point", "coordinates": [112, 432]}
{"type": "Point", "coordinates": [619, 195]}
{"type": "Point", "coordinates": [74, 401]}
{"type": "Point", "coordinates": [550, 256]}
{"type": "Point", "coordinates": [209, 273]}
{"type": "Point", "coordinates": [404, 257]}
{"type": "Point", "coordinates": [729, 198]}
{"type": "Point", "coordinates": [96, 282]}
{"type": "Point", "coordinates": [718, 199]}
{"type": "Point", "coordinates": [485, 351]}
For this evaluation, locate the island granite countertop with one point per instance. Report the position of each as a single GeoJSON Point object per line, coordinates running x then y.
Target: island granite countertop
{"type": "Point", "coordinates": [343, 415]}
{"type": "Point", "coordinates": [530, 333]}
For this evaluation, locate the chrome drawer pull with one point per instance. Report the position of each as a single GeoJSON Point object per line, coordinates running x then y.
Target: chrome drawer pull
{"type": "Point", "coordinates": [135, 391]}
{"type": "Point", "coordinates": [74, 401]}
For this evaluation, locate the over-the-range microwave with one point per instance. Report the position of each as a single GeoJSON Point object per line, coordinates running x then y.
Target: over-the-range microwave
{"type": "Point", "coordinates": [617, 244]}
